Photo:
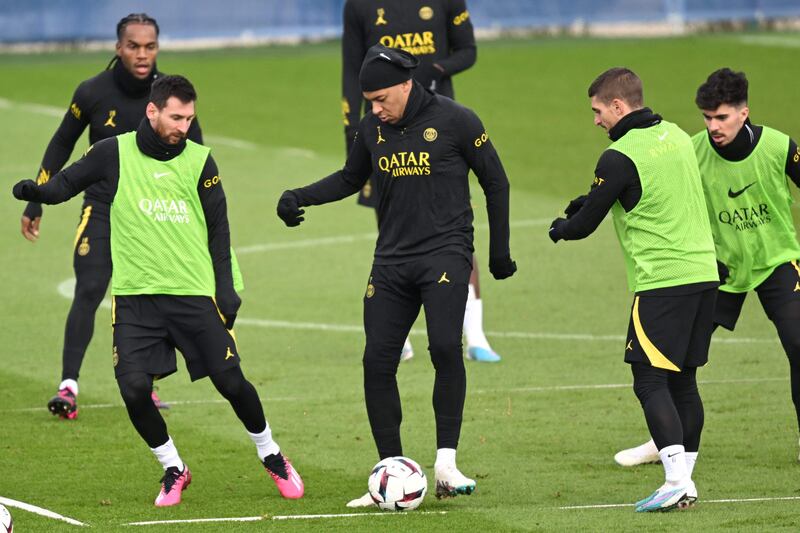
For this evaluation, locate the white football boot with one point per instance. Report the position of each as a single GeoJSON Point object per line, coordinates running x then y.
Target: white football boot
{"type": "Point", "coordinates": [640, 455]}
{"type": "Point", "coordinates": [450, 482]}
{"type": "Point", "coordinates": [669, 496]}
{"type": "Point", "coordinates": [364, 501]}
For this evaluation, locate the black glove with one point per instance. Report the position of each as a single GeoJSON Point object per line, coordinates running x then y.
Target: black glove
{"type": "Point", "coordinates": [434, 76]}
{"type": "Point", "coordinates": [502, 267]}
{"type": "Point", "coordinates": [26, 190]}
{"type": "Point", "coordinates": [556, 228]}
{"type": "Point", "coordinates": [228, 303]}
{"type": "Point", "coordinates": [722, 272]}
{"type": "Point", "coordinates": [288, 210]}
{"type": "Point", "coordinates": [575, 205]}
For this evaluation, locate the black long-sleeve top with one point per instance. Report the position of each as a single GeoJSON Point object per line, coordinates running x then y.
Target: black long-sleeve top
{"type": "Point", "coordinates": [420, 169]}
{"type": "Point", "coordinates": [111, 103]}
{"type": "Point", "coordinates": [99, 169]}
{"type": "Point", "coordinates": [616, 177]}
{"type": "Point", "coordinates": [436, 31]}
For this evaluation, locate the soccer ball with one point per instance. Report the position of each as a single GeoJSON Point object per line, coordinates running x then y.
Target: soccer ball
{"type": "Point", "coordinates": [397, 484]}
{"type": "Point", "coordinates": [6, 523]}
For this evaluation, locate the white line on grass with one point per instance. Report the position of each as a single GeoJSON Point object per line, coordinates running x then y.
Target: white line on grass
{"type": "Point", "coordinates": [551, 388]}
{"type": "Point", "coordinates": [726, 500]}
{"type": "Point", "coordinates": [600, 386]}
{"type": "Point", "coordinates": [170, 403]}
{"type": "Point", "coordinates": [38, 109]}
{"type": "Point", "coordinates": [8, 502]}
{"type": "Point", "coordinates": [347, 239]}
{"type": "Point", "coordinates": [227, 141]}
{"type": "Point", "coordinates": [240, 144]}
{"type": "Point", "coordinates": [277, 517]}
{"type": "Point", "coordinates": [67, 287]}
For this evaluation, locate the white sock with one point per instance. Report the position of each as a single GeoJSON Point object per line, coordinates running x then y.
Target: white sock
{"type": "Point", "coordinates": [473, 321]}
{"type": "Point", "coordinates": [70, 384]}
{"type": "Point", "coordinates": [674, 460]}
{"type": "Point", "coordinates": [264, 444]}
{"type": "Point", "coordinates": [691, 459]}
{"type": "Point", "coordinates": [167, 455]}
{"type": "Point", "coordinates": [445, 457]}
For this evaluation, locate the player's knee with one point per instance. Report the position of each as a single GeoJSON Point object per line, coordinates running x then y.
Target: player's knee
{"type": "Point", "coordinates": [135, 389]}
{"type": "Point", "coordinates": [91, 288]}
{"type": "Point", "coordinates": [648, 381]}
{"type": "Point", "coordinates": [379, 372]}
{"type": "Point", "coordinates": [445, 354]}
{"type": "Point", "coordinates": [230, 383]}
{"type": "Point", "coordinates": [683, 383]}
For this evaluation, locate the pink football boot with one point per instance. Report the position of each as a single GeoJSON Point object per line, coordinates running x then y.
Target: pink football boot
{"type": "Point", "coordinates": [285, 476]}
{"type": "Point", "coordinates": [173, 484]}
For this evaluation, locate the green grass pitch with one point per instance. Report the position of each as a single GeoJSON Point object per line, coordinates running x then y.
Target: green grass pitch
{"type": "Point", "coordinates": [540, 428]}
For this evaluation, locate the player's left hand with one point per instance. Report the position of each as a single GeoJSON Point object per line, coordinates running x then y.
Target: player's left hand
{"type": "Point", "coordinates": [26, 190]}
{"type": "Point", "coordinates": [433, 72]}
{"type": "Point", "coordinates": [555, 229]}
{"type": "Point", "coordinates": [228, 303]}
{"type": "Point", "coordinates": [502, 267]}
{"type": "Point", "coordinates": [288, 209]}
{"type": "Point", "coordinates": [722, 272]}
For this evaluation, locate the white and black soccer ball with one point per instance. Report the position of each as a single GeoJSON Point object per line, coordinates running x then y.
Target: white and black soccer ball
{"type": "Point", "coordinates": [6, 522]}
{"type": "Point", "coordinates": [397, 484]}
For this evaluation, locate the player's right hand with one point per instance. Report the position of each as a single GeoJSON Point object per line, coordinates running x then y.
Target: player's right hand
{"type": "Point", "coordinates": [288, 209]}
{"type": "Point", "coordinates": [30, 228]}
{"type": "Point", "coordinates": [26, 190]}
{"type": "Point", "coordinates": [575, 205]}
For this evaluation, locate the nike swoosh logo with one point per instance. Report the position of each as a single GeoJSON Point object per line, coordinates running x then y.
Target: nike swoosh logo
{"type": "Point", "coordinates": [673, 454]}
{"type": "Point", "coordinates": [664, 136]}
{"type": "Point", "coordinates": [733, 194]}
{"type": "Point", "coordinates": [384, 55]}
{"type": "Point", "coordinates": [158, 175]}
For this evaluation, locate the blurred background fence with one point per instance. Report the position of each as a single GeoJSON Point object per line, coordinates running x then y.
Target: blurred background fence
{"type": "Point", "coordinates": [27, 21]}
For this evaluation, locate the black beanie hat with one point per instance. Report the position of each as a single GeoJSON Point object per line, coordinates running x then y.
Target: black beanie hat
{"type": "Point", "coordinates": [384, 67]}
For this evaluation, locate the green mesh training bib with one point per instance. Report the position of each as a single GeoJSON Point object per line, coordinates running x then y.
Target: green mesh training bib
{"type": "Point", "coordinates": [159, 239]}
{"type": "Point", "coordinates": [666, 238]}
{"type": "Point", "coordinates": [749, 205]}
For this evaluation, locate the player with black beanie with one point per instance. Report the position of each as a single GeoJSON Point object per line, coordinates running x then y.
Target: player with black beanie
{"type": "Point", "coordinates": [420, 147]}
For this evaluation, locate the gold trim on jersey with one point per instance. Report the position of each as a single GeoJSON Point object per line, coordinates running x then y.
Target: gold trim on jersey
{"type": "Point", "coordinates": [657, 359]}
{"type": "Point", "coordinates": [87, 212]}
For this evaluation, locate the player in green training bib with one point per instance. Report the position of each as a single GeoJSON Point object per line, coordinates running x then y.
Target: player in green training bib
{"type": "Point", "coordinates": [174, 280]}
{"type": "Point", "coordinates": [746, 170]}
{"type": "Point", "coordinates": [648, 179]}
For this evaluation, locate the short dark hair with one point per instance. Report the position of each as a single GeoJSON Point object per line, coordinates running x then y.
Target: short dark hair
{"type": "Point", "coordinates": [723, 86]}
{"type": "Point", "coordinates": [176, 86]}
{"type": "Point", "coordinates": [135, 18]}
{"type": "Point", "coordinates": [618, 82]}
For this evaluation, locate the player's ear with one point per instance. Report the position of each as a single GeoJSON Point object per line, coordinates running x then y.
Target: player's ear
{"type": "Point", "coordinates": [151, 111]}
{"type": "Point", "coordinates": [745, 111]}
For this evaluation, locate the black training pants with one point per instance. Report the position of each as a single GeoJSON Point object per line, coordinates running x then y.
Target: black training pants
{"type": "Point", "coordinates": [391, 305]}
